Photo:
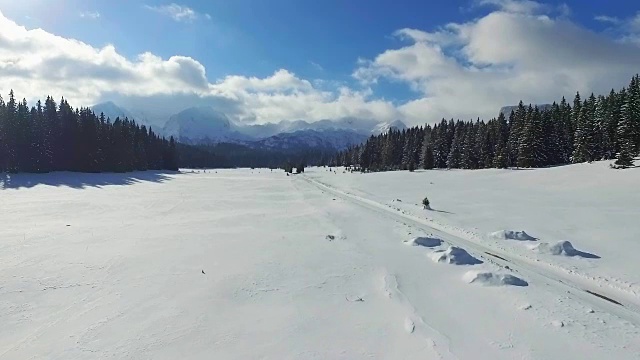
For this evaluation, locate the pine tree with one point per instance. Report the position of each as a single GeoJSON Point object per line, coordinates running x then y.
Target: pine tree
{"type": "Point", "coordinates": [609, 125]}
{"type": "Point", "coordinates": [482, 147]}
{"type": "Point", "coordinates": [575, 114]}
{"type": "Point", "coordinates": [565, 131]}
{"type": "Point", "coordinates": [441, 145]}
{"type": "Point", "coordinates": [625, 134]}
{"type": "Point", "coordinates": [550, 136]}
{"type": "Point", "coordinates": [516, 123]}
{"type": "Point", "coordinates": [585, 141]}
{"type": "Point", "coordinates": [454, 159]}
{"type": "Point", "coordinates": [11, 133]}
{"type": "Point", "coordinates": [3, 137]}
{"type": "Point", "coordinates": [633, 106]}
{"type": "Point", "coordinates": [526, 141]}
{"type": "Point", "coordinates": [426, 158]}
{"type": "Point", "coordinates": [468, 158]}
{"type": "Point", "coordinates": [501, 159]}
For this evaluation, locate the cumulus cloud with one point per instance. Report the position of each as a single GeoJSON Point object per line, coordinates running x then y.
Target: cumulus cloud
{"type": "Point", "coordinates": [177, 12]}
{"type": "Point", "coordinates": [471, 69]}
{"type": "Point", "coordinates": [36, 63]}
{"type": "Point", "coordinates": [460, 70]}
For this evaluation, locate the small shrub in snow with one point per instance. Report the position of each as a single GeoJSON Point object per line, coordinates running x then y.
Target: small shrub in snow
{"type": "Point", "coordinates": [623, 160]}
{"type": "Point", "coordinates": [425, 203]}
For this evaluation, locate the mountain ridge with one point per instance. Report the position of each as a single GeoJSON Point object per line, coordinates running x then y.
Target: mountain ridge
{"type": "Point", "coordinates": [205, 125]}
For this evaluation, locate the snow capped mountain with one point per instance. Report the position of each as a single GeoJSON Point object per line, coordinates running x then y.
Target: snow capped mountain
{"type": "Point", "coordinates": [385, 127]}
{"type": "Point", "coordinates": [113, 111]}
{"type": "Point", "coordinates": [360, 126]}
{"type": "Point", "coordinates": [330, 139]}
{"type": "Point", "coordinates": [506, 110]}
{"type": "Point", "coordinates": [202, 125]}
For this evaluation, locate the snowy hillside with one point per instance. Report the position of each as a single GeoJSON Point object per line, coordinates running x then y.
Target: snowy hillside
{"type": "Point", "coordinates": [249, 264]}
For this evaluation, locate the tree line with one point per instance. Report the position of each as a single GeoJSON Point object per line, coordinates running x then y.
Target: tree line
{"type": "Point", "coordinates": [56, 137]}
{"type": "Point", "coordinates": [596, 128]}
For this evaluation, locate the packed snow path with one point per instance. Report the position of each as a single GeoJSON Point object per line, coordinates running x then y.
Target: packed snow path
{"type": "Point", "coordinates": [248, 264]}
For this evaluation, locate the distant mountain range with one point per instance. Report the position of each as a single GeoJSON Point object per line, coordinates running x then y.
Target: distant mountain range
{"type": "Point", "coordinates": [506, 110]}
{"type": "Point", "coordinates": [205, 125]}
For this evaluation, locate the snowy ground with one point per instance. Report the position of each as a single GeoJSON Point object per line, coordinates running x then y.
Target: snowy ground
{"type": "Point", "coordinates": [320, 266]}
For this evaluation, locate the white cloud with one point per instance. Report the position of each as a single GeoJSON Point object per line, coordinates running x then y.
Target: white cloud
{"type": "Point", "coordinates": [176, 12]}
{"type": "Point", "coordinates": [36, 63]}
{"type": "Point", "coordinates": [472, 69]}
{"type": "Point", "coordinates": [627, 30]}
{"type": "Point", "coordinates": [316, 65]}
{"type": "Point", "coordinates": [607, 19]}
{"type": "Point", "coordinates": [89, 15]}
{"type": "Point", "coordinates": [461, 70]}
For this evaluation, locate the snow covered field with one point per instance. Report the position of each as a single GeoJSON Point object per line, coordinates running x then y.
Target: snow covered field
{"type": "Point", "coordinates": [252, 264]}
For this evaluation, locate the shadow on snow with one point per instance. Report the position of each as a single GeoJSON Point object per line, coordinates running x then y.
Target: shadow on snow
{"type": "Point", "coordinates": [79, 180]}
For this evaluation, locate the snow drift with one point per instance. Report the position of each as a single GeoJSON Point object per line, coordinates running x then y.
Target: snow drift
{"type": "Point", "coordinates": [489, 278]}
{"type": "Point", "coordinates": [561, 248]}
{"type": "Point", "coordinates": [454, 255]}
{"type": "Point", "coordinates": [424, 241]}
{"type": "Point", "coordinates": [512, 235]}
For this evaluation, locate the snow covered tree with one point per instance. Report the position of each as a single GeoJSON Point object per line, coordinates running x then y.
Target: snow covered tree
{"type": "Point", "coordinates": [516, 121]}
{"type": "Point", "coordinates": [585, 141]}
{"type": "Point", "coordinates": [593, 129]}
{"type": "Point", "coordinates": [608, 125]}
{"type": "Point", "coordinates": [468, 158]}
{"type": "Point", "coordinates": [426, 157]}
{"type": "Point", "coordinates": [527, 141]}
{"type": "Point", "coordinates": [625, 134]}
{"type": "Point", "coordinates": [454, 160]}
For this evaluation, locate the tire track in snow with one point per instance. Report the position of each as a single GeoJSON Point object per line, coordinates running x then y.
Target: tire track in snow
{"type": "Point", "coordinates": [561, 283]}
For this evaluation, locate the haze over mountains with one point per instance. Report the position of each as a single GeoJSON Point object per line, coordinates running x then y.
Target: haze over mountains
{"type": "Point", "coordinates": [206, 125]}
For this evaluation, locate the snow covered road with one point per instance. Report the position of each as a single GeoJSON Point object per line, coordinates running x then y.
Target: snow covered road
{"type": "Point", "coordinates": [252, 264]}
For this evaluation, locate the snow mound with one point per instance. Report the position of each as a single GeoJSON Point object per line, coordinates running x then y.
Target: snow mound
{"type": "Point", "coordinates": [493, 279]}
{"type": "Point", "coordinates": [557, 323]}
{"type": "Point", "coordinates": [454, 255]}
{"type": "Point", "coordinates": [424, 241]}
{"type": "Point", "coordinates": [409, 326]}
{"type": "Point", "coordinates": [512, 235]}
{"type": "Point", "coordinates": [561, 248]}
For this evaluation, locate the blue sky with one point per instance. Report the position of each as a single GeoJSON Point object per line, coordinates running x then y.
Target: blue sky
{"type": "Point", "coordinates": [318, 41]}
{"type": "Point", "coordinates": [254, 37]}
